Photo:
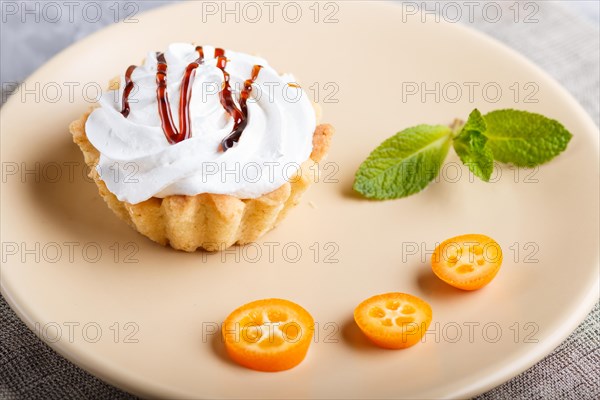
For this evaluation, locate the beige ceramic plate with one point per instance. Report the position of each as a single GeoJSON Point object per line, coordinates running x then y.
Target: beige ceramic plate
{"type": "Point", "coordinates": [146, 326]}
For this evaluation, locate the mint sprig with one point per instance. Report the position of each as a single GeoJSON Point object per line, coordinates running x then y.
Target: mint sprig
{"type": "Point", "coordinates": [407, 162]}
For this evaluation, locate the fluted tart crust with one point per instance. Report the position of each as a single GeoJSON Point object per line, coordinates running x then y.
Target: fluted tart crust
{"type": "Point", "coordinates": [209, 221]}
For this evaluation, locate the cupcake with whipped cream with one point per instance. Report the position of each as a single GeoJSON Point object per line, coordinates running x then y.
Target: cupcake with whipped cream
{"type": "Point", "coordinates": [202, 147]}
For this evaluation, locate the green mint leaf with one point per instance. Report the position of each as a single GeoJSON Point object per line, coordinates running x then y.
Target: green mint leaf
{"type": "Point", "coordinates": [470, 145]}
{"type": "Point", "coordinates": [405, 163]}
{"type": "Point", "coordinates": [524, 139]}
{"type": "Point", "coordinates": [475, 122]}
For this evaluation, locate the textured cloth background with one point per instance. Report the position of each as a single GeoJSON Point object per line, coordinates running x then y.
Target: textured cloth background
{"type": "Point", "coordinates": [565, 41]}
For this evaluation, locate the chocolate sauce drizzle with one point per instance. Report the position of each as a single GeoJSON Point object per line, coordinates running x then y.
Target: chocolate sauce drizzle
{"type": "Point", "coordinates": [239, 115]}
{"type": "Point", "coordinates": [172, 133]}
{"type": "Point", "coordinates": [128, 87]}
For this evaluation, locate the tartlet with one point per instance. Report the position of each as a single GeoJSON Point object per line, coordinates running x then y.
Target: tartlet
{"type": "Point", "coordinates": [210, 221]}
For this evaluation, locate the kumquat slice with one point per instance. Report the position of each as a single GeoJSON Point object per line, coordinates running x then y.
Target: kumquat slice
{"type": "Point", "coordinates": [468, 262]}
{"type": "Point", "coordinates": [393, 320]}
{"type": "Point", "coordinates": [268, 335]}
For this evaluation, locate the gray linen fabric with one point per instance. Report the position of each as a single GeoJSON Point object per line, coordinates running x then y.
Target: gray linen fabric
{"type": "Point", "coordinates": [564, 44]}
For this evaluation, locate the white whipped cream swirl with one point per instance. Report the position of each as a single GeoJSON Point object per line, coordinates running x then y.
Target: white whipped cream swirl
{"type": "Point", "coordinates": [137, 162]}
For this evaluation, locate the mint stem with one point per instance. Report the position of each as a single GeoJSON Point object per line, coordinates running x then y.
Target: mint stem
{"type": "Point", "coordinates": [456, 126]}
